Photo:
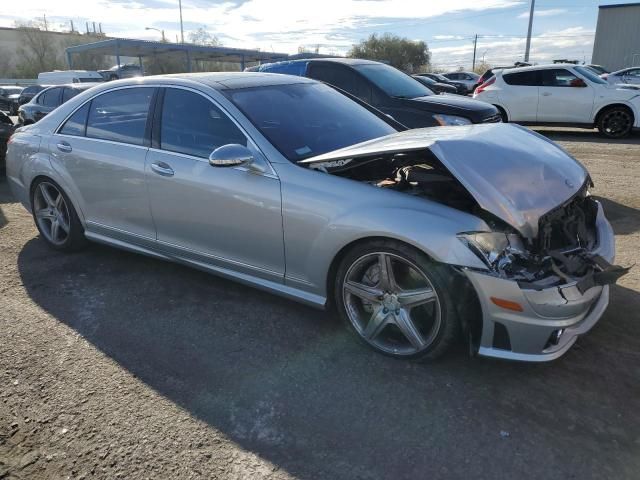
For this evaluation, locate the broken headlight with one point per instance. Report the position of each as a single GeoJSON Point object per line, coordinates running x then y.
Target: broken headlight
{"type": "Point", "coordinates": [495, 249]}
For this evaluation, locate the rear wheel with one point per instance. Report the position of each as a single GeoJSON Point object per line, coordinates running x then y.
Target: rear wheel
{"type": "Point", "coordinates": [615, 122]}
{"type": "Point", "coordinates": [396, 300]}
{"type": "Point", "coordinates": [55, 217]}
{"type": "Point", "coordinates": [503, 114]}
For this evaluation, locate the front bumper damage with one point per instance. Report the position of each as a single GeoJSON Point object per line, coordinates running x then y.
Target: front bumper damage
{"type": "Point", "coordinates": [550, 319]}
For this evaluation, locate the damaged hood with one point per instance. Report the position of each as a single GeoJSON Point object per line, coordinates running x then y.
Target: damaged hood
{"type": "Point", "coordinates": [512, 172]}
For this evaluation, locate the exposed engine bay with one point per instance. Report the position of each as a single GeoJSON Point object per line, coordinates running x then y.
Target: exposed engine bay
{"type": "Point", "coordinates": [560, 253]}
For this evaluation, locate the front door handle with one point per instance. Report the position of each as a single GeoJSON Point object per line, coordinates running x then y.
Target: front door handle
{"type": "Point", "coordinates": [64, 147]}
{"type": "Point", "coordinates": [163, 169]}
{"type": "Point", "coordinates": [546, 94]}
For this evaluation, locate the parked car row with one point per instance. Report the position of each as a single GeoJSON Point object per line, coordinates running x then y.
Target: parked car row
{"type": "Point", "coordinates": [418, 238]}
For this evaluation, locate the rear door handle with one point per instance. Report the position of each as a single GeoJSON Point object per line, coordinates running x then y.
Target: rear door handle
{"type": "Point", "coordinates": [64, 147]}
{"type": "Point", "coordinates": [546, 94]}
{"type": "Point", "coordinates": [162, 168]}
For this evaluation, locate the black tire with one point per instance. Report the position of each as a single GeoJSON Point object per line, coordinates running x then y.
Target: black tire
{"type": "Point", "coordinates": [503, 114]}
{"type": "Point", "coordinates": [113, 76]}
{"type": "Point", "coordinates": [75, 239]}
{"type": "Point", "coordinates": [13, 110]}
{"type": "Point", "coordinates": [439, 277]}
{"type": "Point", "coordinates": [615, 122]}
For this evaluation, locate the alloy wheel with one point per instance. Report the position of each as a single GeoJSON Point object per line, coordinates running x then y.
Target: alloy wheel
{"type": "Point", "coordinates": [51, 213]}
{"type": "Point", "coordinates": [392, 304]}
{"type": "Point", "coordinates": [616, 123]}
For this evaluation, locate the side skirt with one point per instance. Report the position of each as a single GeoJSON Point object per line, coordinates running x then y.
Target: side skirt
{"type": "Point", "coordinates": [286, 291]}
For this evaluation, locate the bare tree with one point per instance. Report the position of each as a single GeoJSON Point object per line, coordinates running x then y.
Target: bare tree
{"type": "Point", "coordinates": [38, 52]}
{"type": "Point", "coordinates": [203, 37]}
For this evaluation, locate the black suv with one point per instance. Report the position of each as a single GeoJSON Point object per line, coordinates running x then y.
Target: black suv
{"type": "Point", "coordinates": [390, 91]}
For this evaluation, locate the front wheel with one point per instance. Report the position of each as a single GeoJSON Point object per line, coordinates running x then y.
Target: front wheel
{"type": "Point", "coordinates": [55, 217]}
{"type": "Point", "coordinates": [615, 122]}
{"type": "Point", "coordinates": [395, 299]}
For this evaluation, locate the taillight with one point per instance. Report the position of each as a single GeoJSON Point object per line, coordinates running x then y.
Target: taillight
{"type": "Point", "coordinates": [486, 84]}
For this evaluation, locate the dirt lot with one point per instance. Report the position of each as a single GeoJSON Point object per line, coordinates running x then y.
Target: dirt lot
{"type": "Point", "coordinates": [118, 366]}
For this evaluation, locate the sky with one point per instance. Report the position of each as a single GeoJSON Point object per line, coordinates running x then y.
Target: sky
{"type": "Point", "coordinates": [561, 28]}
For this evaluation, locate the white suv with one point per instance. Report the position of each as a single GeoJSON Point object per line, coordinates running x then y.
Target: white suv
{"type": "Point", "coordinates": [561, 94]}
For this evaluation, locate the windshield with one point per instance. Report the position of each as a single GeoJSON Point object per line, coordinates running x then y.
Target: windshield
{"type": "Point", "coordinates": [307, 119]}
{"type": "Point", "coordinates": [12, 90]}
{"type": "Point", "coordinates": [590, 75]}
{"type": "Point", "coordinates": [392, 81]}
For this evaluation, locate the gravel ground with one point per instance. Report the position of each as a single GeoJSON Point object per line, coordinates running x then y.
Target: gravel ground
{"type": "Point", "coordinates": [114, 365]}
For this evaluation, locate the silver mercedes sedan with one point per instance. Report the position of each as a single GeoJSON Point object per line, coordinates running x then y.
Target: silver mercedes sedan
{"type": "Point", "coordinates": [416, 238]}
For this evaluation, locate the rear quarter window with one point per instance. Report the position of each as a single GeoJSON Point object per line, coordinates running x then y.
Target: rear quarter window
{"type": "Point", "coordinates": [522, 78]}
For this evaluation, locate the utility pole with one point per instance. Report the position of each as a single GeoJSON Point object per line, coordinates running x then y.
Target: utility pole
{"type": "Point", "coordinates": [46, 28]}
{"type": "Point", "coordinates": [181, 28]}
{"type": "Point", "coordinates": [528, 47]}
{"type": "Point", "coordinates": [475, 46]}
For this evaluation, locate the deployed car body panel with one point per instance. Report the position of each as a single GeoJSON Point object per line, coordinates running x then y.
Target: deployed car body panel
{"type": "Point", "coordinates": [514, 174]}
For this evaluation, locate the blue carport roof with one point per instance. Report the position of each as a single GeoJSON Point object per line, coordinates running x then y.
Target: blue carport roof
{"type": "Point", "coordinates": [125, 47]}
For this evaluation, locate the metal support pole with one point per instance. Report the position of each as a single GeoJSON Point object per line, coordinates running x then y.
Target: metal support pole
{"type": "Point", "coordinates": [117, 53]}
{"type": "Point", "coordinates": [242, 63]}
{"type": "Point", "coordinates": [475, 45]}
{"type": "Point", "coordinates": [140, 63]}
{"type": "Point", "coordinates": [181, 27]}
{"type": "Point", "coordinates": [69, 60]}
{"type": "Point", "coordinates": [528, 47]}
{"type": "Point", "coordinates": [188, 61]}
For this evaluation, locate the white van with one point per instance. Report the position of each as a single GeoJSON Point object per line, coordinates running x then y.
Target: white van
{"type": "Point", "coordinates": [62, 77]}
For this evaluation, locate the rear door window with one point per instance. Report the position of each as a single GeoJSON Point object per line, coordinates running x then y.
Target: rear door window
{"type": "Point", "coordinates": [50, 98]}
{"type": "Point", "coordinates": [120, 115]}
{"type": "Point", "coordinates": [69, 93]}
{"type": "Point", "coordinates": [193, 125]}
{"type": "Point", "coordinates": [529, 78]}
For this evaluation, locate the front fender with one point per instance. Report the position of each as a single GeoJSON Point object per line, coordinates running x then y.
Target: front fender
{"type": "Point", "coordinates": [433, 234]}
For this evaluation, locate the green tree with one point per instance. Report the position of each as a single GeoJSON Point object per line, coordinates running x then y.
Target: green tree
{"type": "Point", "coordinates": [402, 53]}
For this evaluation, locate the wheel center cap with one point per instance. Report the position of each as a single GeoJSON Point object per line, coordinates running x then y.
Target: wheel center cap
{"type": "Point", "coordinates": [390, 301]}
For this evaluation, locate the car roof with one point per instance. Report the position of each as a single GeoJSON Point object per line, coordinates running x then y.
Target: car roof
{"type": "Point", "coordinates": [534, 68]}
{"type": "Point", "coordinates": [77, 86]}
{"type": "Point", "coordinates": [221, 80]}
{"type": "Point", "coordinates": [342, 60]}
{"type": "Point", "coordinates": [624, 70]}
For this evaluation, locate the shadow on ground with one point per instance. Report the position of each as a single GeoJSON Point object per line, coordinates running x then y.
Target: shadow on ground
{"type": "Point", "coordinates": [587, 136]}
{"type": "Point", "coordinates": [624, 220]}
{"type": "Point", "coordinates": [285, 381]}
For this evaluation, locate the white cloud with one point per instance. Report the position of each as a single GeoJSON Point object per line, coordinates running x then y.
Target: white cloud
{"type": "Point", "coordinates": [448, 37]}
{"type": "Point", "coordinates": [572, 43]}
{"type": "Point", "coordinates": [544, 13]}
{"type": "Point", "coordinates": [269, 24]}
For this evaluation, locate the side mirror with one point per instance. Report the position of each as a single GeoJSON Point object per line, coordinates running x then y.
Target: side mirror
{"type": "Point", "coordinates": [234, 155]}
{"type": "Point", "coordinates": [231, 155]}
{"type": "Point", "coordinates": [578, 82]}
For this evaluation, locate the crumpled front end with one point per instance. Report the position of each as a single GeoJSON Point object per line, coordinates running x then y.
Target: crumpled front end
{"type": "Point", "coordinates": [537, 314]}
